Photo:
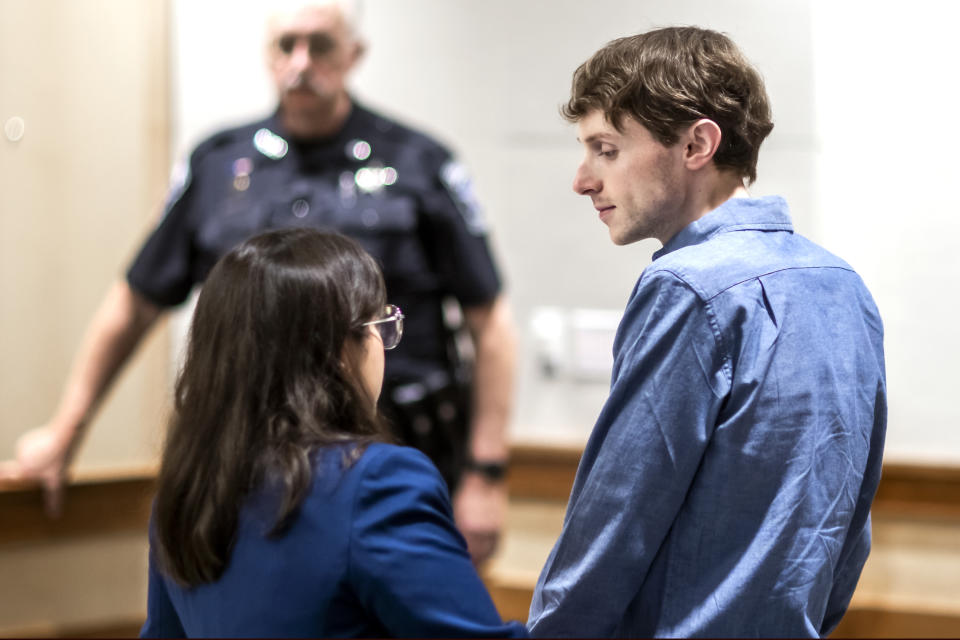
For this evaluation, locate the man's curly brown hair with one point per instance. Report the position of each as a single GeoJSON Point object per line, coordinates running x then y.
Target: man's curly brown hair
{"type": "Point", "coordinates": [668, 79]}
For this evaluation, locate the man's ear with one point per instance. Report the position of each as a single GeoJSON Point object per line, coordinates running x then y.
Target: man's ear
{"type": "Point", "coordinates": [701, 141]}
{"type": "Point", "coordinates": [359, 48]}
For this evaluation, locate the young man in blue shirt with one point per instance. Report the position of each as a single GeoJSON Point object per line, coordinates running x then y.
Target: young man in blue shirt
{"type": "Point", "coordinates": [726, 487]}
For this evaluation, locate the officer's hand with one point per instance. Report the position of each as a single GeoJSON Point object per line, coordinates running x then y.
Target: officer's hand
{"type": "Point", "coordinates": [480, 508]}
{"type": "Point", "coordinates": [41, 457]}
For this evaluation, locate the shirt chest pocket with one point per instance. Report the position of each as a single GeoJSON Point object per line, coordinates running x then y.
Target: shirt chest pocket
{"type": "Point", "coordinates": [388, 229]}
{"type": "Point", "coordinates": [235, 217]}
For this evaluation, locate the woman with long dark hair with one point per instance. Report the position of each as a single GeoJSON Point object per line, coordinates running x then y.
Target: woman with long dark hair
{"type": "Point", "coordinates": [281, 508]}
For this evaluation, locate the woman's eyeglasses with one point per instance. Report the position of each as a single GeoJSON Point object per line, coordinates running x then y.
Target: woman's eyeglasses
{"type": "Point", "coordinates": [390, 326]}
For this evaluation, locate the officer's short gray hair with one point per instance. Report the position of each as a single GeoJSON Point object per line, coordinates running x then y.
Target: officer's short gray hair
{"type": "Point", "coordinates": [350, 9]}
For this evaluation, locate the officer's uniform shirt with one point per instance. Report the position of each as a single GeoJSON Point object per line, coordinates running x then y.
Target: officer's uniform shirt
{"type": "Point", "coordinates": [397, 192]}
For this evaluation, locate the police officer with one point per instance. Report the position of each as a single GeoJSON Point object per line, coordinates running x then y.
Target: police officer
{"type": "Point", "coordinates": [323, 160]}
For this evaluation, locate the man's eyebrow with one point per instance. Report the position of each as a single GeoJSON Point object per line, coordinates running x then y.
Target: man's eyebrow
{"type": "Point", "coordinates": [593, 137]}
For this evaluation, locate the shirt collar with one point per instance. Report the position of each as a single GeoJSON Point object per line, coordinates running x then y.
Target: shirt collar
{"type": "Point", "coordinates": [350, 125]}
{"type": "Point", "coordinates": [769, 213]}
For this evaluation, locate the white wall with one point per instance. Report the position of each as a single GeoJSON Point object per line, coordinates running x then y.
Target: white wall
{"type": "Point", "coordinates": [488, 77]}
{"type": "Point", "coordinates": [887, 201]}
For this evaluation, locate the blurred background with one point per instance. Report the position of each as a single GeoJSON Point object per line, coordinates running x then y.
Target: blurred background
{"type": "Point", "coordinates": [100, 98]}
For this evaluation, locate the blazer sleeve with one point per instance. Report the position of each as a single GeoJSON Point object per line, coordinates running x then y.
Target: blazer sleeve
{"type": "Point", "coordinates": [162, 619]}
{"type": "Point", "coordinates": [408, 564]}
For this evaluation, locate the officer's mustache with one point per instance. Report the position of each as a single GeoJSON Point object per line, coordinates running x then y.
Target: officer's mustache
{"type": "Point", "coordinates": [302, 82]}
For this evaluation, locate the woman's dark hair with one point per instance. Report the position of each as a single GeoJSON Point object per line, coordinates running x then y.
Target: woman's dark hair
{"type": "Point", "coordinates": [262, 387]}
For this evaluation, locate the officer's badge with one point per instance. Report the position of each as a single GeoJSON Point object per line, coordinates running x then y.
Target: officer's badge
{"type": "Point", "coordinates": [242, 168]}
{"type": "Point", "coordinates": [459, 184]}
{"type": "Point", "coordinates": [358, 149]}
{"type": "Point", "coordinates": [373, 178]}
{"type": "Point", "coordinates": [270, 144]}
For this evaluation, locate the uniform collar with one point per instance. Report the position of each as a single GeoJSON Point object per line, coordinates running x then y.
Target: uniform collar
{"type": "Point", "coordinates": [351, 125]}
{"type": "Point", "coordinates": [769, 213]}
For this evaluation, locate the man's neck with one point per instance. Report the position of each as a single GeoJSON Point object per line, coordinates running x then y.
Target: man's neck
{"type": "Point", "coordinates": [316, 123]}
{"type": "Point", "coordinates": [708, 191]}
{"type": "Point", "coordinates": [716, 188]}
{"type": "Point", "coordinates": [720, 187]}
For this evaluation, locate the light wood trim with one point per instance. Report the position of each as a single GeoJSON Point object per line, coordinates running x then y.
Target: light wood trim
{"type": "Point", "coordinates": [896, 622]}
{"type": "Point", "coordinates": [542, 472]}
{"type": "Point", "coordinates": [512, 600]}
{"type": "Point", "coordinates": [94, 504]}
{"type": "Point", "coordinates": [120, 499]}
{"type": "Point", "coordinates": [124, 627]}
{"type": "Point", "coordinates": [917, 489]}
{"type": "Point", "coordinates": [547, 473]}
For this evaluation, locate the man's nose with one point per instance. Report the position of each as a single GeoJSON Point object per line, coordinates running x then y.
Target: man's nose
{"type": "Point", "coordinates": [300, 56]}
{"type": "Point", "coordinates": [584, 182]}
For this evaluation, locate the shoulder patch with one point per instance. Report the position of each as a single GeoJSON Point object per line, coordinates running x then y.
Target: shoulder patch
{"type": "Point", "coordinates": [459, 184]}
{"type": "Point", "coordinates": [179, 181]}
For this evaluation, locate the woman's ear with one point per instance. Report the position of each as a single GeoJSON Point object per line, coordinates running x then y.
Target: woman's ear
{"type": "Point", "coordinates": [348, 355]}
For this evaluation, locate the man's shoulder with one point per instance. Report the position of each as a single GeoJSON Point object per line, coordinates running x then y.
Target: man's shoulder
{"type": "Point", "coordinates": [241, 134]}
{"type": "Point", "coordinates": [394, 131]}
{"type": "Point", "coordinates": [728, 259]}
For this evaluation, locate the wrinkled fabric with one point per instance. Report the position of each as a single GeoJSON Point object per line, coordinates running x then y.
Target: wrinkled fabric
{"type": "Point", "coordinates": [725, 489]}
{"type": "Point", "coordinates": [373, 552]}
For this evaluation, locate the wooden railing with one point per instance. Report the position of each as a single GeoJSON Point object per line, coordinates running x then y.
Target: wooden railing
{"type": "Point", "coordinates": [101, 510]}
{"type": "Point", "coordinates": [95, 503]}
{"type": "Point", "coordinates": [912, 501]}
{"type": "Point", "coordinates": [909, 588]}
{"type": "Point", "coordinates": [547, 473]}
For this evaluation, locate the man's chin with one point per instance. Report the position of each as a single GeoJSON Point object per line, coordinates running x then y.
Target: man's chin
{"type": "Point", "coordinates": [294, 98]}
{"type": "Point", "coordinates": [622, 238]}
{"type": "Point", "coordinates": [617, 237]}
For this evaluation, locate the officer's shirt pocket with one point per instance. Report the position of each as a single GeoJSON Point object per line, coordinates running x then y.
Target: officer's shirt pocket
{"type": "Point", "coordinates": [384, 224]}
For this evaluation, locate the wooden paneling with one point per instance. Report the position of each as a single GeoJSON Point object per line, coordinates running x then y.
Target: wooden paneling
{"type": "Point", "coordinates": [919, 489]}
{"type": "Point", "coordinates": [547, 473]}
{"type": "Point", "coordinates": [94, 504]}
{"type": "Point", "coordinates": [121, 627]}
{"type": "Point", "coordinates": [910, 586]}
{"type": "Point", "coordinates": [78, 192]}
{"type": "Point", "coordinates": [83, 574]}
{"type": "Point", "coordinates": [542, 472]}
{"type": "Point", "coordinates": [894, 622]}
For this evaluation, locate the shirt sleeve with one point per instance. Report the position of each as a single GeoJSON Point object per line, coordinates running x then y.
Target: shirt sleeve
{"type": "Point", "coordinates": [458, 237]}
{"type": "Point", "coordinates": [162, 619]}
{"type": "Point", "coordinates": [848, 574]}
{"type": "Point", "coordinates": [668, 384]}
{"type": "Point", "coordinates": [408, 563]}
{"type": "Point", "coordinates": [162, 270]}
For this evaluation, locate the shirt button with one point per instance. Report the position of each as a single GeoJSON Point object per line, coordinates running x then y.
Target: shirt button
{"type": "Point", "coordinates": [300, 208]}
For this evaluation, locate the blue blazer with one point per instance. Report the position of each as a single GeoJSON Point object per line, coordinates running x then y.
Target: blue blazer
{"type": "Point", "coordinates": [373, 551]}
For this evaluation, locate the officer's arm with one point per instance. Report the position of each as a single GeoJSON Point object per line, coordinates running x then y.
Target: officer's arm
{"type": "Point", "coordinates": [480, 503]}
{"type": "Point", "coordinates": [44, 453]}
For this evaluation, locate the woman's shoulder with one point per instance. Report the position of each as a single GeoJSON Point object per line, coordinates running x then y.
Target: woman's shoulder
{"type": "Point", "coordinates": [378, 463]}
{"type": "Point", "coordinates": [398, 463]}
{"type": "Point", "coordinates": [401, 478]}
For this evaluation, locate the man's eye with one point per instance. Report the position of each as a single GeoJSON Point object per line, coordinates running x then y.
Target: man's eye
{"type": "Point", "coordinates": [287, 43]}
{"type": "Point", "coordinates": [607, 153]}
{"type": "Point", "coordinates": [320, 44]}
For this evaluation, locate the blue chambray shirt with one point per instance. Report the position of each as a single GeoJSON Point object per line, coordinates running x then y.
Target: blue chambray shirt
{"type": "Point", "coordinates": [725, 489]}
